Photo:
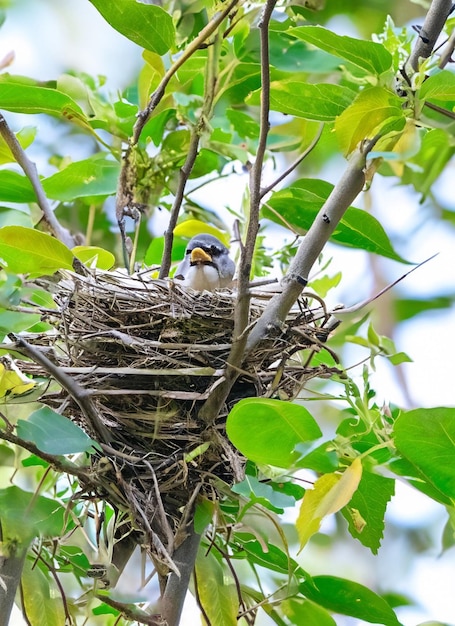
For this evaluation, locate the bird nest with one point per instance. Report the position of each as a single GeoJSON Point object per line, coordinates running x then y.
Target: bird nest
{"type": "Point", "coordinates": [146, 354]}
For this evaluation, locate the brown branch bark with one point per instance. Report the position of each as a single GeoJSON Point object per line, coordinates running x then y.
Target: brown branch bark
{"type": "Point", "coordinates": [434, 22]}
{"type": "Point", "coordinates": [29, 169]}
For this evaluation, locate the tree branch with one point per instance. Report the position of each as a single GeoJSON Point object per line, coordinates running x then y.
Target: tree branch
{"type": "Point", "coordinates": [333, 209]}
{"type": "Point", "coordinates": [29, 169]}
{"type": "Point", "coordinates": [212, 406]}
{"type": "Point", "coordinates": [186, 169]}
{"type": "Point", "coordinates": [434, 22]}
{"type": "Point", "coordinates": [78, 393]}
{"type": "Point", "coordinates": [184, 557]}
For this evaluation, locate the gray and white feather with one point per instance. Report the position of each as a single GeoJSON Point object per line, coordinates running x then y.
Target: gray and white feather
{"type": "Point", "coordinates": [207, 265]}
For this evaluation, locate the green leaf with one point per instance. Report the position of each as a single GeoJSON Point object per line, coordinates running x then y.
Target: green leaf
{"type": "Point", "coordinates": [440, 86]}
{"type": "Point", "coordinates": [369, 56]}
{"type": "Point", "coordinates": [16, 322]}
{"type": "Point", "coordinates": [270, 557]}
{"type": "Point", "coordinates": [96, 176]}
{"type": "Point", "coordinates": [320, 102]}
{"type": "Point", "coordinates": [268, 494]}
{"type": "Point", "coordinates": [43, 603]}
{"type": "Point", "coordinates": [330, 493]}
{"type": "Point", "coordinates": [375, 110]}
{"type": "Point", "coordinates": [365, 512]}
{"type": "Point", "coordinates": [216, 590]}
{"type": "Point", "coordinates": [21, 97]}
{"type": "Point", "coordinates": [426, 438]}
{"type": "Point", "coordinates": [299, 204]}
{"type": "Point", "coordinates": [15, 187]}
{"type": "Point", "coordinates": [147, 25]}
{"type": "Point", "coordinates": [25, 515]}
{"type": "Point", "coordinates": [53, 433]}
{"type": "Point", "coordinates": [25, 137]}
{"type": "Point", "coordinates": [349, 598]}
{"type": "Point", "coordinates": [266, 431]}
{"type": "Point", "coordinates": [307, 612]}
{"type": "Point", "coordinates": [94, 256]}
{"type": "Point", "coordinates": [28, 251]}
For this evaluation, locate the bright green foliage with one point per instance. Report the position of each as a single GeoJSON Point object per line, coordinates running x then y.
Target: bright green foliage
{"type": "Point", "coordinates": [326, 88]}
{"type": "Point", "coordinates": [267, 431]}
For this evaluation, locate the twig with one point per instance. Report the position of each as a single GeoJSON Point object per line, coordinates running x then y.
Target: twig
{"type": "Point", "coordinates": [434, 22]}
{"type": "Point", "coordinates": [78, 393]}
{"type": "Point", "coordinates": [29, 169]}
{"type": "Point", "coordinates": [296, 163]}
{"type": "Point", "coordinates": [213, 404]}
{"type": "Point", "coordinates": [196, 133]}
{"type": "Point", "coordinates": [441, 110]}
{"type": "Point", "coordinates": [127, 179]}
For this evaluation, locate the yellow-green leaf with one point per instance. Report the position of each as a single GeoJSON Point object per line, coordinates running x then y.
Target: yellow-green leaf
{"type": "Point", "coordinates": [27, 251]}
{"type": "Point", "coordinates": [216, 590]}
{"type": "Point", "coordinates": [94, 256]}
{"type": "Point", "coordinates": [331, 493]}
{"type": "Point", "coordinates": [12, 382]}
{"type": "Point", "coordinates": [375, 110]}
{"type": "Point", "coordinates": [190, 228]}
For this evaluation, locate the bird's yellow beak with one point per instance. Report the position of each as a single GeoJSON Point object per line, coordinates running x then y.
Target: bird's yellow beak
{"type": "Point", "coordinates": [198, 255]}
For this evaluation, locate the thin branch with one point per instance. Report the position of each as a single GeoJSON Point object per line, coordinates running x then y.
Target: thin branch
{"type": "Point", "coordinates": [214, 402]}
{"type": "Point", "coordinates": [29, 169]}
{"type": "Point", "coordinates": [78, 393]}
{"type": "Point", "coordinates": [295, 164]}
{"type": "Point", "coordinates": [434, 22]}
{"type": "Point", "coordinates": [441, 110]}
{"type": "Point", "coordinates": [446, 55]}
{"type": "Point", "coordinates": [186, 169]}
{"type": "Point", "coordinates": [193, 47]}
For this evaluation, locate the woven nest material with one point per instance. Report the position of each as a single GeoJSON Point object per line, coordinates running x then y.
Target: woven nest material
{"type": "Point", "coordinates": [148, 353]}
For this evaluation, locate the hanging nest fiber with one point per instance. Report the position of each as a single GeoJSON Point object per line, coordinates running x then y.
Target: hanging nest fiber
{"type": "Point", "coordinates": [142, 356]}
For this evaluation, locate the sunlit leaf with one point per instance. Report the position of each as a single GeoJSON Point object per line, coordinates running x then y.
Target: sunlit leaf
{"type": "Point", "coordinates": [349, 598]}
{"type": "Point", "coordinates": [375, 110]}
{"type": "Point", "coordinates": [148, 25]}
{"type": "Point", "coordinates": [426, 438]}
{"type": "Point", "coordinates": [21, 97]}
{"type": "Point", "coordinates": [25, 137]}
{"type": "Point", "coordinates": [267, 431]}
{"type": "Point", "coordinates": [24, 251]}
{"type": "Point", "coordinates": [321, 102]}
{"type": "Point", "coordinates": [190, 228]}
{"type": "Point", "coordinates": [302, 611]}
{"type": "Point", "coordinates": [96, 176]}
{"type": "Point", "coordinates": [53, 433]}
{"type": "Point", "coordinates": [440, 86]}
{"type": "Point", "coordinates": [94, 256]}
{"type": "Point", "coordinates": [331, 492]}
{"type": "Point", "coordinates": [12, 382]}
{"type": "Point", "coordinates": [367, 55]}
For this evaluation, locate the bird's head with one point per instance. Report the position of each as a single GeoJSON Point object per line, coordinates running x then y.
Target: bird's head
{"type": "Point", "coordinates": [207, 265]}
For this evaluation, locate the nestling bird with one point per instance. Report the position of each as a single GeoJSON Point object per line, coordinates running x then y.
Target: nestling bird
{"type": "Point", "coordinates": [207, 265]}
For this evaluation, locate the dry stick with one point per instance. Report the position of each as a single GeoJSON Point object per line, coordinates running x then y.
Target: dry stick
{"type": "Point", "coordinates": [213, 404]}
{"type": "Point", "coordinates": [434, 22]}
{"type": "Point", "coordinates": [78, 393]}
{"type": "Point", "coordinates": [29, 169]}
